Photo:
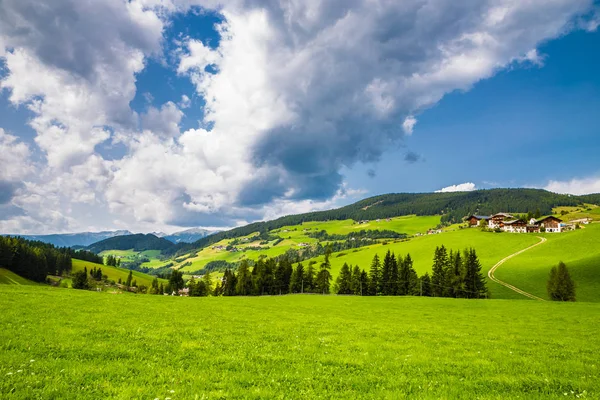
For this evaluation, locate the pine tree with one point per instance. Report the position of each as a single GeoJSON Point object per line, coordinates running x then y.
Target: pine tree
{"type": "Point", "coordinates": [386, 274]}
{"type": "Point", "coordinates": [324, 276]}
{"type": "Point", "coordinates": [475, 286]}
{"type": "Point", "coordinates": [309, 279]}
{"type": "Point", "coordinates": [561, 286]}
{"type": "Point", "coordinates": [356, 284]}
{"type": "Point", "coordinates": [296, 281]}
{"type": "Point", "coordinates": [456, 275]}
{"type": "Point", "coordinates": [409, 284]}
{"type": "Point", "coordinates": [343, 282]}
{"type": "Point", "coordinates": [244, 280]}
{"type": "Point", "coordinates": [130, 277]}
{"type": "Point", "coordinates": [208, 283]}
{"type": "Point", "coordinates": [80, 280]}
{"type": "Point", "coordinates": [229, 283]}
{"type": "Point", "coordinates": [375, 277]}
{"type": "Point", "coordinates": [364, 282]}
{"type": "Point", "coordinates": [426, 285]}
{"type": "Point", "coordinates": [395, 275]}
{"type": "Point", "coordinates": [438, 280]}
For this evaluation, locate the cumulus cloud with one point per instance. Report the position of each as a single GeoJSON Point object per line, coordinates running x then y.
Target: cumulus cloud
{"type": "Point", "coordinates": [409, 124]}
{"type": "Point", "coordinates": [575, 186]}
{"type": "Point", "coordinates": [463, 187]}
{"type": "Point", "coordinates": [294, 92]}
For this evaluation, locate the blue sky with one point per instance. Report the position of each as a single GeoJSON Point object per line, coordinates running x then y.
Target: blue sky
{"type": "Point", "coordinates": [147, 115]}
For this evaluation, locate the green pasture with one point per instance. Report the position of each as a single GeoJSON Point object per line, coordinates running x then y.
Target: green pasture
{"type": "Point", "coordinates": [58, 343]}
{"type": "Point", "coordinates": [115, 273]}
{"type": "Point", "coordinates": [579, 250]}
{"type": "Point", "coordinates": [10, 278]}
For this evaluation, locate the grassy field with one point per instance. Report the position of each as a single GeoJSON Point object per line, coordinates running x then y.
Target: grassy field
{"type": "Point", "coordinates": [115, 273]}
{"type": "Point", "coordinates": [58, 343]}
{"type": "Point", "coordinates": [10, 278]}
{"type": "Point", "coordinates": [294, 235]}
{"type": "Point", "coordinates": [579, 250]}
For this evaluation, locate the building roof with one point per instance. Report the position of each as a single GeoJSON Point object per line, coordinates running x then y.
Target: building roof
{"type": "Point", "coordinates": [539, 221]}
{"type": "Point", "coordinates": [514, 221]}
{"type": "Point", "coordinates": [506, 215]}
{"type": "Point", "coordinates": [479, 217]}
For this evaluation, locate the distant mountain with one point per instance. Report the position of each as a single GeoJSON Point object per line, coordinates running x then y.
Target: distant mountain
{"type": "Point", "coordinates": [80, 239]}
{"type": "Point", "coordinates": [137, 242]}
{"type": "Point", "coordinates": [188, 236]}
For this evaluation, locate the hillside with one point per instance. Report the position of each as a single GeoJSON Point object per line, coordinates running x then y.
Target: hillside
{"type": "Point", "coordinates": [308, 346]}
{"type": "Point", "coordinates": [10, 278]}
{"type": "Point", "coordinates": [137, 242]}
{"type": "Point", "coordinates": [115, 273]}
{"type": "Point", "coordinates": [188, 236]}
{"type": "Point", "coordinates": [452, 207]}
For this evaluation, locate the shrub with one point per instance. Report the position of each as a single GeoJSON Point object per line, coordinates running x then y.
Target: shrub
{"type": "Point", "coordinates": [561, 286]}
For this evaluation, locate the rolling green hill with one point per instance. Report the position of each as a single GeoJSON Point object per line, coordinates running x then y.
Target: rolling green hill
{"type": "Point", "coordinates": [115, 273]}
{"type": "Point", "coordinates": [10, 278]}
{"type": "Point", "coordinates": [451, 206]}
{"type": "Point", "coordinates": [579, 250]}
{"type": "Point", "coordinates": [69, 343]}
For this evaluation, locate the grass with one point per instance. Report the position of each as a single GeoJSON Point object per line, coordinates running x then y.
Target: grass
{"type": "Point", "coordinates": [58, 343]}
{"type": "Point", "coordinates": [115, 273]}
{"type": "Point", "coordinates": [578, 249]}
{"type": "Point", "coordinates": [10, 278]}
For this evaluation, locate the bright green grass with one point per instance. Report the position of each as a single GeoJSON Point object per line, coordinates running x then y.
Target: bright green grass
{"type": "Point", "coordinates": [115, 273]}
{"type": "Point", "coordinates": [119, 253]}
{"type": "Point", "coordinates": [296, 234]}
{"type": "Point", "coordinates": [10, 278]}
{"type": "Point", "coordinates": [490, 247]}
{"type": "Point", "coordinates": [579, 250]}
{"type": "Point", "coordinates": [58, 343]}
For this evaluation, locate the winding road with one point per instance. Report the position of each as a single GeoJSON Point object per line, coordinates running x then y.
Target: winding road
{"type": "Point", "coordinates": [508, 285]}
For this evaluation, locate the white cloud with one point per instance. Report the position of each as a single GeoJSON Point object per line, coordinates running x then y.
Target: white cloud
{"type": "Point", "coordinates": [409, 124]}
{"type": "Point", "coordinates": [295, 92]}
{"type": "Point", "coordinates": [14, 158]}
{"type": "Point", "coordinates": [463, 187]}
{"type": "Point", "coordinates": [185, 102]}
{"type": "Point", "coordinates": [575, 186]}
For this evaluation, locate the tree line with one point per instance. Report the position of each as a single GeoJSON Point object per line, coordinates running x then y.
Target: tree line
{"type": "Point", "coordinates": [455, 274]}
{"type": "Point", "coordinates": [32, 259]}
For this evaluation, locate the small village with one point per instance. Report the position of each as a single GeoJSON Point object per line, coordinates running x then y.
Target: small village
{"type": "Point", "coordinates": [509, 223]}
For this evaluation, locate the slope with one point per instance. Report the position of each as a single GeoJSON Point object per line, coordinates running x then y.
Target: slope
{"type": "Point", "coordinates": [579, 250]}
{"type": "Point", "coordinates": [10, 278]}
{"type": "Point", "coordinates": [115, 273]}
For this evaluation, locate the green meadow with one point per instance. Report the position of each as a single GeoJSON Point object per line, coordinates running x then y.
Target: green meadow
{"type": "Point", "coordinates": [579, 250]}
{"type": "Point", "coordinates": [10, 278]}
{"type": "Point", "coordinates": [61, 343]}
{"type": "Point", "coordinates": [115, 273]}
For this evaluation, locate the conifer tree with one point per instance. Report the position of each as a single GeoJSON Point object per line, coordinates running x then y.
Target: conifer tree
{"type": "Point", "coordinates": [229, 283]}
{"type": "Point", "coordinates": [244, 280]}
{"type": "Point", "coordinates": [456, 275]}
{"type": "Point", "coordinates": [324, 276]}
{"type": "Point", "coordinates": [309, 279]}
{"type": "Point", "coordinates": [208, 283]}
{"type": "Point", "coordinates": [364, 283]}
{"type": "Point", "coordinates": [375, 277]}
{"type": "Point", "coordinates": [561, 286]}
{"type": "Point", "coordinates": [343, 282]}
{"type": "Point", "coordinates": [395, 275]}
{"type": "Point", "coordinates": [425, 288]}
{"type": "Point", "coordinates": [440, 263]}
{"type": "Point", "coordinates": [386, 274]}
{"type": "Point", "coordinates": [409, 284]}
{"type": "Point", "coordinates": [475, 286]}
{"type": "Point", "coordinates": [296, 281]}
{"type": "Point", "coordinates": [130, 277]}
{"type": "Point", "coordinates": [356, 284]}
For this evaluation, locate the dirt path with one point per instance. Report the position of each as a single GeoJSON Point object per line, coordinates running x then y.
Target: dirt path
{"type": "Point", "coordinates": [511, 287]}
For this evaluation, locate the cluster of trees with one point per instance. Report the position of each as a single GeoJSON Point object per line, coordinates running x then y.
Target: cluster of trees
{"type": "Point", "coordinates": [276, 276]}
{"type": "Point", "coordinates": [456, 274]}
{"type": "Point", "coordinates": [32, 259]}
{"type": "Point", "coordinates": [84, 255]}
{"type": "Point", "coordinates": [561, 286]}
{"type": "Point", "coordinates": [362, 234]}
{"type": "Point", "coordinates": [112, 261]}
{"type": "Point", "coordinates": [96, 274]}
